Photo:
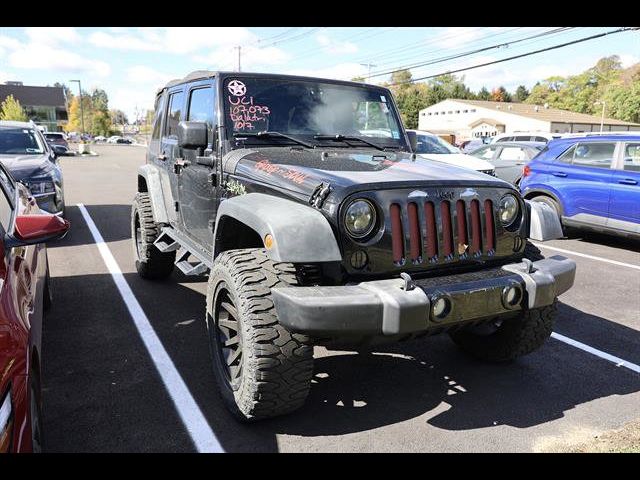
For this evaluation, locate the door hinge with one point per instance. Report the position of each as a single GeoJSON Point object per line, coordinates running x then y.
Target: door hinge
{"type": "Point", "coordinates": [176, 205]}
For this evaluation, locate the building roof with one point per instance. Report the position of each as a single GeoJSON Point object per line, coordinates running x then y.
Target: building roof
{"type": "Point", "coordinates": [539, 112]}
{"type": "Point", "coordinates": [34, 96]}
{"type": "Point", "coordinates": [488, 121]}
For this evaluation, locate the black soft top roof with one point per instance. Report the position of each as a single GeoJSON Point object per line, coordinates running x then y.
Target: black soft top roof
{"type": "Point", "coordinates": [203, 74]}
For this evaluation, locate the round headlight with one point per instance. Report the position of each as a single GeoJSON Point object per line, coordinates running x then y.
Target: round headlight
{"type": "Point", "coordinates": [360, 218]}
{"type": "Point", "coordinates": [509, 209]}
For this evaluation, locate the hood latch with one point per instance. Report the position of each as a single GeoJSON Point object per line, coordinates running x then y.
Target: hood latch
{"type": "Point", "coordinates": [319, 195]}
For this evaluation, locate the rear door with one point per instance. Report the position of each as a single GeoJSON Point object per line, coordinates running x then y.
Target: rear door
{"type": "Point", "coordinates": [509, 161]}
{"type": "Point", "coordinates": [582, 176]}
{"type": "Point", "coordinates": [624, 207]}
{"type": "Point", "coordinates": [197, 186]}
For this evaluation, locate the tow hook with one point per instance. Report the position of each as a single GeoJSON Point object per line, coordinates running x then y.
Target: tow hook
{"type": "Point", "coordinates": [409, 284]}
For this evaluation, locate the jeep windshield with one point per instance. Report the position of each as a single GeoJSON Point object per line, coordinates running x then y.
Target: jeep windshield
{"type": "Point", "coordinates": [309, 112]}
{"type": "Point", "coordinates": [20, 141]}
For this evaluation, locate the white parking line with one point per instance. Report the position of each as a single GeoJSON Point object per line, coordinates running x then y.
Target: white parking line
{"type": "Point", "coordinates": [194, 421]}
{"type": "Point", "coordinates": [598, 353]}
{"type": "Point", "coordinates": [606, 260]}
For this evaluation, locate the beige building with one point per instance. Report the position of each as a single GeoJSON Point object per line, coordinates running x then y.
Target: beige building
{"type": "Point", "coordinates": [469, 119]}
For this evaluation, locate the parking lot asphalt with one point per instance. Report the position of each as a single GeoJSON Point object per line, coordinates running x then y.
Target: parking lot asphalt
{"type": "Point", "coordinates": [102, 391]}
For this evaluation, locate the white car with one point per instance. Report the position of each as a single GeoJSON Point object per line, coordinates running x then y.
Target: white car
{"type": "Point", "coordinates": [525, 137]}
{"type": "Point", "coordinates": [100, 138]}
{"type": "Point", "coordinates": [432, 147]}
{"type": "Point", "coordinates": [113, 139]}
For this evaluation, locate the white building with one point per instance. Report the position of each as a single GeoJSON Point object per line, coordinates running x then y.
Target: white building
{"type": "Point", "coordinates": [468, 119]}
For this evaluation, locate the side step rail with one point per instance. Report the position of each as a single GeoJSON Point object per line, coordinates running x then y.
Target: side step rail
{"type": "Point", "coordinates": [169, 241]}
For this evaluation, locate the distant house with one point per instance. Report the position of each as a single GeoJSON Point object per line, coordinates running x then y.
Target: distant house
{"type": "Point", "coordinates": [46, 106]}
{"type": "Point", "coordinates": [478, 118]}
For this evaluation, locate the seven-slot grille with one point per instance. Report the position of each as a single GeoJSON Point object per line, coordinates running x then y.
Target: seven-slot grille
{"type": "Point", "coordinates": [442, 230]}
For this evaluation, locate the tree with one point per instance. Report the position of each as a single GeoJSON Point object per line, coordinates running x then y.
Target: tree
{"type": "Point", "coordinates": [10, 109]}
{"type": "Point", "coordinates": [623, 102]}
{"type": "Point", "coordinates": [118, 117]}
{"type": "Point", "coordinates": [75, 114]}
{"type": "Point", "coordinates": [521, 93]}
{"type": "Point", "coordinates": [500, 94]}
{"type": "Point", "coordinates": [484, 94]}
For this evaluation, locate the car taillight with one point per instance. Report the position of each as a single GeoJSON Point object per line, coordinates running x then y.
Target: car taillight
{"type": "Point", "coordinates": [526, 171]}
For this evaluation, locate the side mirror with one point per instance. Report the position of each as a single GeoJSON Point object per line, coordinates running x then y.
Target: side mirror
{"type": "Point", "coordinates": [413, 141]}
{"type": "Point", "coordinates": [37, 228]}
{"type": "Point", "coordinates": [192, 134]}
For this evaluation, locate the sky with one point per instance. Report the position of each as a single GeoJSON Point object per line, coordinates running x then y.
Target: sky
{"type": "Point", "coordinates": [131, 63]}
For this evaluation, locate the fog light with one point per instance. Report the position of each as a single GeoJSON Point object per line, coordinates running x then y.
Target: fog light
{"type": "Point", "coordinates": [511, 296]}
{"type": "Point", "coordinates": [440, 307]}
{"type": "Point", "coordinates": [359, 259]}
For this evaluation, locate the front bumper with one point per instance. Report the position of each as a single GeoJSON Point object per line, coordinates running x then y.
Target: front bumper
{"type": "Point", "coordinates": [389, 307]}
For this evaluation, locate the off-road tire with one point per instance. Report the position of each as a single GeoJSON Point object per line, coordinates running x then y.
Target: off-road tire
{"type": "Point", "coordinates": [151, 263]}
{"type": "Point", "coordinates": [276, 365]}
{"type": "Point", "coordinates": [514, 338]}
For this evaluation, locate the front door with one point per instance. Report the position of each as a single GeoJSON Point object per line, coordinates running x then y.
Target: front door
{"type": "Point", "coordinates": [197, 182]}
{"type": "Point", "coordinates": [169, 150]}
{"type": "Point", "coordinates": [624, 207]}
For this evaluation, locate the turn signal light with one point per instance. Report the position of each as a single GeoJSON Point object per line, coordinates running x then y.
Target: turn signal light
{"type": "Point", "coordinates": [526, 171]}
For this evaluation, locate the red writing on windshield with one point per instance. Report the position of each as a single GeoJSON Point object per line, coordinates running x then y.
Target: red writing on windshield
{"type": "Point", "coordinates": [245, 113]}
{"type": "Point", "coordinates": [286, 173]}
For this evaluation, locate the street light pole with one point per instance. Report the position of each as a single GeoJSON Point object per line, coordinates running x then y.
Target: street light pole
{"type": "Point", "coordinates": [602, 116]}
{"type": "Point", "coordinates": [81, 106]}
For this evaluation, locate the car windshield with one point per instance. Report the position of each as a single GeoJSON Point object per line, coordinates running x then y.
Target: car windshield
{"type": "Point", "coordinates": [54, 136]}
{"type": "Point", "coordinates": [434, 145]}
{"type": "Point", "coordinates": [304, 109]}
{"type": "Point", "coordinates": [20, 141]}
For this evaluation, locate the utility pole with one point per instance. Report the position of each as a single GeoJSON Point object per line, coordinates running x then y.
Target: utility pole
{"type": "Point", "coordinates": [239, 47]}
{"type": "Point", "coordinates": [366, 106]}
{"type": "Point", "coordinates": [81, 107]}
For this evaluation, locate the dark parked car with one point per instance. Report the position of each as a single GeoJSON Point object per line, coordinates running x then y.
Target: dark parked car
{"type": "Point", "coordinates": [24, 295]}
{"type": "Point", "coordinates": [33, 162]}
{"type": "Point", "coordinates": [303, 202]}
{"type": "Point", "coordinates": [58, 142]}
{"type": "Point", "coordinates": [592, 182]}
{"type": "Point", "coordinates": [509, 157]}
{"type": "Point", "coordinates": [127, 141]}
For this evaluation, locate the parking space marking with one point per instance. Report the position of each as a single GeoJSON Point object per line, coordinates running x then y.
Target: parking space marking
{"type": "Point", "coordinates": [194, 421]}
{"type": "Point", "coordinates": [599, 353]}
{"type": "Point", "coordinates": [570, 252]}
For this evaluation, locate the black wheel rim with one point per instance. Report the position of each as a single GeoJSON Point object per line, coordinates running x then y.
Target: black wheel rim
{"type": "Point", "coordinates": [228, 337]}
{"type": "Point", "coordinates": [138, 234]}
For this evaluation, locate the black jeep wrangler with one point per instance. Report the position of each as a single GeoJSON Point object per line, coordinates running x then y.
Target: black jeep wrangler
{"type": "Point", "coordinates": [317, 225]}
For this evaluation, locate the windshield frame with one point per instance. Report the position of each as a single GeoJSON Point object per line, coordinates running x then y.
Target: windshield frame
{"type": "Point", "coordinates": [42, 143]}
{"type": "Point", "coordinates": [233, 142]}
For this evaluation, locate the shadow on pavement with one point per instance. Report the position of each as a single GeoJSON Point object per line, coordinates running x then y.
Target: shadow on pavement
{"type": "Point", "coordinates": [114, 225]}
{"type": "Point", "coordinates": [607, 240]}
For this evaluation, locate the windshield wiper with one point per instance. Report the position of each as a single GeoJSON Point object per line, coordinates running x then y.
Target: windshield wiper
{"type": "Point", "coordinates": [267, 134]}
{"type": "Point", "coordinates": [345, 138]}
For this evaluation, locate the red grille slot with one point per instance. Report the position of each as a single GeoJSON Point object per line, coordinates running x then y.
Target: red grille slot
{"type": "Point", "coordinates": [414, 231]}
{"type": "Point", "coordinates": [445, 212]}
{"type": "Point", "coordinates": [476, 233]}
{"type": "Point", "coordinates": [397, 235]}
{"type": "Point", "coordinates": [431, 239]}
{"type": "Point", "coordinates": [463, 239]}
{"type": "Point", "coordinates": [490, 231]}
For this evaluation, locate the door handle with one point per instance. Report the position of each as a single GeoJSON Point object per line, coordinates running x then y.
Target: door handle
{"type": "Point", "coordinates": [628, 181]}
{"type": "Point", "coordinates": [558, 174]}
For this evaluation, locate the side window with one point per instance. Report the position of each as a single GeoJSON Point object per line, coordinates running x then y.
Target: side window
{"type": "Point", "coordinates": [157, 117]}
{"type": "Point", "coordinates": [632, 157]}
{"type": "Point", "coordinates": [512, 153]}
{"type": "Point", "coordinates": [486, 152]}
{"type": "Point", "coordinates": [174, 114]}
{"type": "Point", "coordinates": [540, 139]}
{"type": "Point", "coordinates": [598, 155]}
{"type": "Point", "coordinates": [567, 156]}
{"type": "Point", "coordinates": [202, 106]}
{"type": "Point", "coordinates": [522, 138]}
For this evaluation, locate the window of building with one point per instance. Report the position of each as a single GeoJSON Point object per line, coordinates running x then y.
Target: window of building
{"type": "Point", "coordinates": [473, 110]}
{"type": "Point", "coordinates": [450, 112]}
{"type": "Point", "coordinates": [442, 113]}
{"type": "Point", "coordinates": [457, 111]}
{"type": "Point", "coordinates": [465, 111]}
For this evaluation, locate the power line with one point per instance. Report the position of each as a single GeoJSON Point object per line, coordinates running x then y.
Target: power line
{"type": "Point", "coordinates": [468, 53]}
{"type": "Point", "coordinates": [554, 47]}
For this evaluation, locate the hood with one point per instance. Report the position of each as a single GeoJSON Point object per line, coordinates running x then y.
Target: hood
{"type": "Point", "coordinates": [24, 166]}
{"type": "Point", "coordinates": [302, 170]}
{"type": "Point", "coordinates": [461, 160]}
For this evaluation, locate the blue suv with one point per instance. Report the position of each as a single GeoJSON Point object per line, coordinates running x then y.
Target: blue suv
{"type": "Point", "coordinates": [592, 182]}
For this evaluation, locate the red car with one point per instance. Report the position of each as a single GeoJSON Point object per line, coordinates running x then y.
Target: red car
{"type": "Point", "coordinates": [24, 295]}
